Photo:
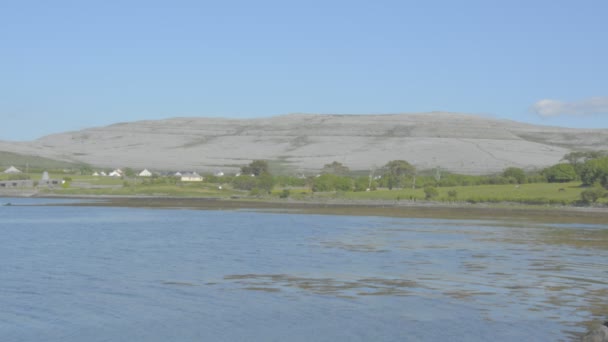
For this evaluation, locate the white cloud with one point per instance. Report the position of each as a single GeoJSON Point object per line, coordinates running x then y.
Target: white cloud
{"type": "Point", "coordinates": [593, 105]}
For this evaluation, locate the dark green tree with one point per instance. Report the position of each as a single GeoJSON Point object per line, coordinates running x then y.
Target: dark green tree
{"type": "Point", "coordinates": [579, 158]}
{"type": "Point", "coordinates": [595, 171]}
{"type": "Point", "coordinates": [129, 172]}
{"type": "Point", "coordinates": [335, 168]}
{"type": "Point", "coordinates": [516, 173]}
{"type": "Point", "coordinates": [560, 173]}
{"type": "Point", "coordinates": [265, 182]}
{"type": "Point", "coordinates": [396, 171]}
{"type": "Point", "coordinates": [256, 168]}
{"type": "Point", "coordinates": [85, 169]}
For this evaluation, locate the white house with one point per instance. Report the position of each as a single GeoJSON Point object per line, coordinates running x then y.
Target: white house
{"type": "Point", "coordinates": [219, 174]}
{"type": "Point", "coordinates": [116, 173]}
{"type": "Point", "coordinates": [191, 177]}
{"type": "Point", "coordinates": [145, 173]}
{"type": "Point", "coordinates": [12, 169]}
{"type": "Point", "coordinates": [95, 174]}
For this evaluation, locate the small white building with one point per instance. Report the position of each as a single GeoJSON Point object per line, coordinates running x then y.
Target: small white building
{"type": "Point", "coordinates": [116, 173]}
{"type": "Point", "coordinates": [145, 173]}
{"type": "Point", "coordinates": [12, 170]}
{"type": "Point", "coordinates": [219, 174]}
{"type": "Point", "coordinates": [95, 174]}
{"type": "Point", "coordinates": [191, 177]}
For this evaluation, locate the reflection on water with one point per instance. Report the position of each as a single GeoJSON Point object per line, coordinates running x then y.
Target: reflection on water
{"type": "Point", "coordinates": [98, 274]}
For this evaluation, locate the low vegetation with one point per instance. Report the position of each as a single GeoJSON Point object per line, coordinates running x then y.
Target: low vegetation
{"type": "Point", "coordinates": [581, 179]}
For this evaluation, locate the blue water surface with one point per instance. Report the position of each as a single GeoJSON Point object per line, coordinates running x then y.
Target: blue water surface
{"type": "Point", "coordinates": [123, 274]}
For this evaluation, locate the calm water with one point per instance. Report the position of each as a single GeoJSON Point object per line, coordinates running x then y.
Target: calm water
{"type": "Point", "coordinates": [120, 274]}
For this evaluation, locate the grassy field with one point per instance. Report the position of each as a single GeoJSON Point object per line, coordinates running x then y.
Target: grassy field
{"type": "Point", "coordinates": [536, 193]}
{"type": "Point", "coordinates": [159, 190]}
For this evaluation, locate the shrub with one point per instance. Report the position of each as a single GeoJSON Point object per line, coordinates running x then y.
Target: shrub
{"type": "Point", "coordinates": [285, 193]}
{"type": "Point", "coordinates": [591, 195]}
{"type": "Point", "coordinates": [430, 192]}
{"type": "Point", "coordinates": [329, 182]}
{"type": "Point", "coordinates": [256, 192]}
{"type": "Point", "coordinates": [361, 183]}
{"type": "Point", "coordinates": [244, 183]}
{"type": "Point", "coordinates": [452, 195]}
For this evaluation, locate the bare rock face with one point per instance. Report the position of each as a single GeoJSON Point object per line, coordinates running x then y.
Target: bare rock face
{"type": "Point", "coordinates": [599, 334]}
{"type": "Point", "coordinates": [303, 142]}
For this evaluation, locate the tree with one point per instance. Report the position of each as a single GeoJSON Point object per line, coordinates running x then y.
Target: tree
{"type": "Point", "coordinates": [265, 182]}
{"type": "Point", "coordinates": [335, 168]}
{"type": "Point", "coordinates": [560, 173]}
{"type": "Point", "coordinates": [256, 168]}
{"type": "Point", "coordinates": [85, 169]}
{"type": "Point", "coordinates": [579, 158]}
{"type": "Point", "coordinates": [516, 173]}
{"type": "Point", "coordinates": [595, 170]}
{"type": "Point", "coordinates": [395, 172]}
{"type": "Point", "coordinates": [129, 172]}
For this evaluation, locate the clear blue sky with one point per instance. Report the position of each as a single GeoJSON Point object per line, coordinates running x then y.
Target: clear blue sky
{"type": "Point", "coordinates": [67, 65]}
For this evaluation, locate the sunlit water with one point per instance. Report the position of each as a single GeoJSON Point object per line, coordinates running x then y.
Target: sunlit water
{"type": "Point", "coordinates": [121, 274]}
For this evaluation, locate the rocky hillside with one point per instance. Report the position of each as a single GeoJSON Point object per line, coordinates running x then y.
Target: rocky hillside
{"type": "Point", "coordinates": [456, 142]}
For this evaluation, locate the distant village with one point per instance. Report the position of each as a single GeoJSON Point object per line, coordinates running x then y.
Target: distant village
{"type": "Point", "coordinates": [46, 181]}
{"type": "Point", "coordinates": [184, 176]}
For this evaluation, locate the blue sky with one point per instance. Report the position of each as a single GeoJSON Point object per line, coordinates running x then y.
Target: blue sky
{"type": "Point", "coordinates": [67, 65]}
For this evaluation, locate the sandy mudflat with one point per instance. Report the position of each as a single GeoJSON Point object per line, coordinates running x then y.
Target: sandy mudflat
{"type": "Point", "coordinates": [362, 208]}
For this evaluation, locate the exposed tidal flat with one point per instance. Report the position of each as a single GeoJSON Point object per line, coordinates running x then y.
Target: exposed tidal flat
{"type": "Point", "coordinates": [121, 271]}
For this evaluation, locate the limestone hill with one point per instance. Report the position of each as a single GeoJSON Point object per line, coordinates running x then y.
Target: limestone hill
{"type": "Point", "coordinates": [304, 142]}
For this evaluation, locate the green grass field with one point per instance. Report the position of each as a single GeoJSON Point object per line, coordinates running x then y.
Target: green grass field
{"type": "Point", "coordinates": [97, 185]}
{"type": "Point", "coordinates": [536, 193]}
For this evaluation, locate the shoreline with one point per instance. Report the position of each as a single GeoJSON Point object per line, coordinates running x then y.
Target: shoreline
{"type": "Point", "coordinates": [480, 211]}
